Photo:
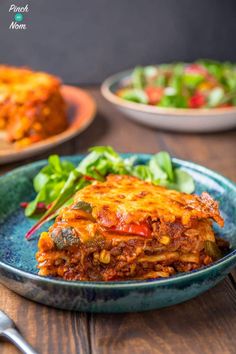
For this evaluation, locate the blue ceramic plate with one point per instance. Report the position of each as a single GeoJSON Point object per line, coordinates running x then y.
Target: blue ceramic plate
{"type": "Point", "coordinates": [18, 266]}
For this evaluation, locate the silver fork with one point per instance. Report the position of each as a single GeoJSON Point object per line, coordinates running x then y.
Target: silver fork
{"type": "Point", "coordinates": [8, 331]}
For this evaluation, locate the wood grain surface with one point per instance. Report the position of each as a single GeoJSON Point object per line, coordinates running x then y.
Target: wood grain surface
{"type": "Point", "coordinates": [205, 325]}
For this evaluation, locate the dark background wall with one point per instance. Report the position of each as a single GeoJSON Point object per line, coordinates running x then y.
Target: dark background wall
{"type": "Point", "coordinates": [83, 41]}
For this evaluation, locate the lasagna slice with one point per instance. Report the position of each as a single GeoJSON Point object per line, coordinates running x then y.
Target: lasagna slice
{"type": "Point", "coordinates": [31, 105]}
{"type": "Point", "coordinates": [125, 228]}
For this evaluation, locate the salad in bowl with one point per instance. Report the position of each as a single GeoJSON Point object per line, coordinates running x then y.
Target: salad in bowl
{"type": "Point", "coordinates": [202, 84]}
{"type": "Point", "coordinates": [191, 97]}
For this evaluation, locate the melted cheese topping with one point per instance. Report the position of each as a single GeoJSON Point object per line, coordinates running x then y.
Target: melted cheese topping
{"type": "Point", "coordinates": [126, 199]}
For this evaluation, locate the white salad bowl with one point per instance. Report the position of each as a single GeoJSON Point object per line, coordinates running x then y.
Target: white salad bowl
{"type": "Point", "coordinates": [173, 119]}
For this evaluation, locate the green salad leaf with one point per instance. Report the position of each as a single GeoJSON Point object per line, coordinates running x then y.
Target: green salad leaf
{"type": "Point", "coordinates": [49, 182]}
{"type": "Point", "coordinates": [164, 161]}
{"type": "Point", "coordinates": [143, 172]}
{"type": "Point", "coordinates": [176, 100]}
{"type": "Point", "coordinates": [215, 97]}
{"type": "Point", "coordinates": [134, 95]}
{"type": "Point", "coordinates": [149, 71]}
{"type": "Point", "coordinates": [138, 77]}
{"type": "Point", "coordinates": [192, 80]}
{"type": "Point", "coordinates": [183, 182]}
{"type": "Point", "coordinates": [157, 171]}
{"type": "Point", "coordinates": [103, 160]}
{"type": "Point", "coordinates": [59, 180]}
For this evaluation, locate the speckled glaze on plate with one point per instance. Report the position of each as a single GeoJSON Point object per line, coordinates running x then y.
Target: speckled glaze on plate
{"type": "Point", "coordinates": [81, 112]}
{"type": "Point", "coordinates": [18, 266]}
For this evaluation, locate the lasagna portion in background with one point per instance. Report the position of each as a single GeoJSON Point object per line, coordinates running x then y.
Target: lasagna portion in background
{"type": "Point", "coordinates": [125, 228]}
{"type": "Point", "coordinates": [31, 105]}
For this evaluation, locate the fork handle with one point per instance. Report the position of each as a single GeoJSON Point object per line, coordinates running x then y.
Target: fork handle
{"type": "Point", "coordinates": [15, 337]}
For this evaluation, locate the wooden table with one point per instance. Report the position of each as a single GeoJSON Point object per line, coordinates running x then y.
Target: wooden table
{"type": "Point", "coordinates": [206, 324]}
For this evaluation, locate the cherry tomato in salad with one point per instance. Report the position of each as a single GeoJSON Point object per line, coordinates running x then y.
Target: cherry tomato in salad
{"type": "Point", "coordinates": [196, 69]}
{"type": "Point", "coordinates": [154, 94]}
{"type": "Point", "coordinates": [197, 100]}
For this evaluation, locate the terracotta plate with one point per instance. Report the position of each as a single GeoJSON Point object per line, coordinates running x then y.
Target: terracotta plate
{"type": "Point", "coordinates": [81, 112]}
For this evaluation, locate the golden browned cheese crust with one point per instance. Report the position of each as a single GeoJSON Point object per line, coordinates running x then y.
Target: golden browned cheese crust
{"type": "Point", "coordinates": [131, 199]}
{"type": "Point", "coordinates": [125, 228]}
{"type": "Point", "coordinates": [31, 105]}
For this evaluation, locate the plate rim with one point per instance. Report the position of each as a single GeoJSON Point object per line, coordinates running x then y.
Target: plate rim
{"type": "Point", "coordinates": [145, 108]}
{"type": "Point", "coordinates": [229, 258]}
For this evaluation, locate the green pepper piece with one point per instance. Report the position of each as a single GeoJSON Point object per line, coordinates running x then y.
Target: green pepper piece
{"type": "Point", "coordinates": [212, 249]}
{"type": "Point", "coordinates": [81, 205]}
